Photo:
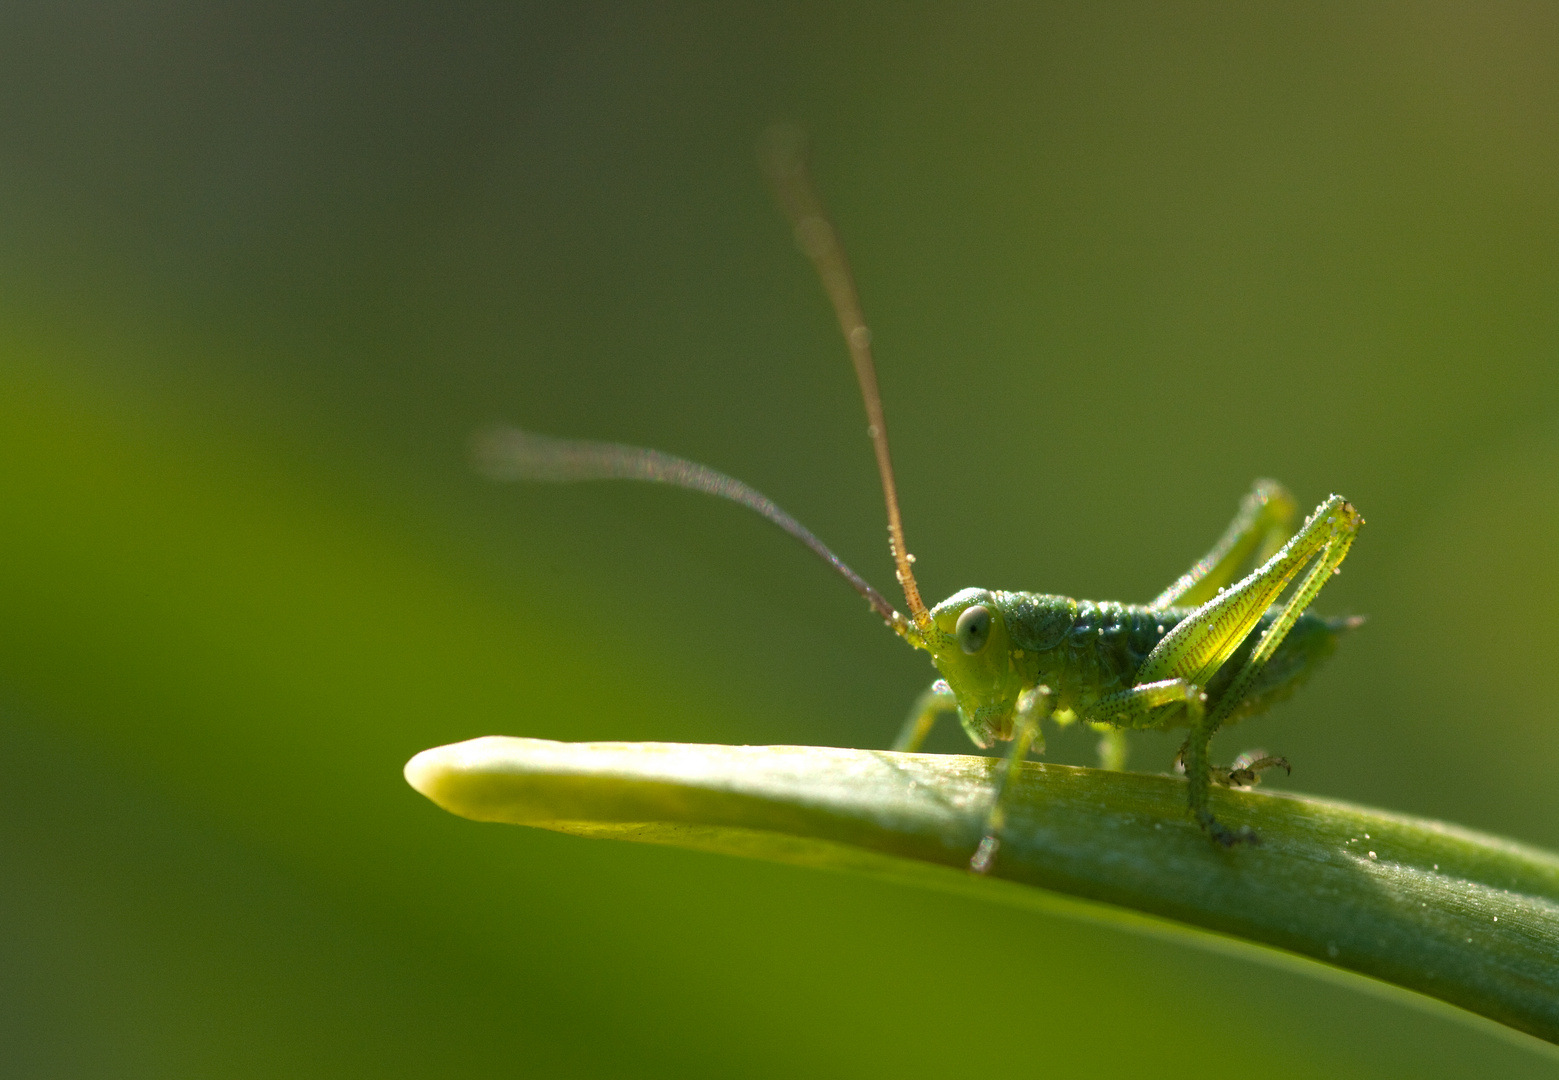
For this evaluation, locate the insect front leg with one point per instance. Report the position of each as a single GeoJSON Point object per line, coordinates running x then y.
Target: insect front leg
{"type": "Point", "coordinates": [1033, 706]}
{"type": "Point", "coordinates": [937, 699]}
{"type": "Point", "coordinates": [1203, 642]}
{"type": "Point", "coordinates": [1141, 706]}
{"type": "Point", "coordinates": [1263, 523]}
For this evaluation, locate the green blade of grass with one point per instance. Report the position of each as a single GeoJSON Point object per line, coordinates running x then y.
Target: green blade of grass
{"type": "Point", "coordinates": [1469, 919]}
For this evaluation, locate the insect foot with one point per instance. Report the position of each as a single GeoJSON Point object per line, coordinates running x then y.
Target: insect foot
{"type": "Point", "coordinates": [984, 856]}
{"type": "Point", "coordinates": [1225, 836]}
{"type": "Point", "coordinates": [1248, 767]}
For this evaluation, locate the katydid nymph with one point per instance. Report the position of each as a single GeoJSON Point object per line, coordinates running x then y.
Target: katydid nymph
{"type": "Point", "coordinates": [1207, 651]}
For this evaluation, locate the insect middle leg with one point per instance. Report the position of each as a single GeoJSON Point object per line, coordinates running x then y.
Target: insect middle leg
{"type": "Point", "coordinates": [1141, 706]}
{"type": "Point", "coordinates": [1113, 748]}
{"type": "Point", "coordinates": [938, 699]}
{"type": "Point", "coordinates": [1248, 767]}
{"type": "Point", "coordinates": [1246, 770]}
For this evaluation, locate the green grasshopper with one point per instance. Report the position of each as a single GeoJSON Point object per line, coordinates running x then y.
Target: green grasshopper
{"type": "Point", "coordinates": [1204, 653]}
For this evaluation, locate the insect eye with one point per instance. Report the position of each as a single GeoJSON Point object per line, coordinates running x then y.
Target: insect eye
{"type": "Point", "coordinates": [974, 628]}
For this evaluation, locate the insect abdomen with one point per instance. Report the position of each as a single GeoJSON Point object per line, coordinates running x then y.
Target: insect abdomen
{"type": "Point", "coordinates": [1312, 639]}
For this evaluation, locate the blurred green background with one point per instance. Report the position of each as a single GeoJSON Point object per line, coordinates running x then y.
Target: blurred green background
{"type": "Point", "coordinates": [264, 267]}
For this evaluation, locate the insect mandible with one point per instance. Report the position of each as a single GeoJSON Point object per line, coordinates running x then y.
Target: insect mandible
{"type": "Point", "coordinates": [1202, 654]}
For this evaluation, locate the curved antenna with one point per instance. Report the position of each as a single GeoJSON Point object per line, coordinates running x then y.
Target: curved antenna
{"type": "Point", "coordinates": [784, 153]}
{"type": "Point", "coordinates": [508, 453]}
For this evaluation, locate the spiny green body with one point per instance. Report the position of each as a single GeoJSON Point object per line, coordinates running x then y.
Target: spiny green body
{"type": "Point", "coordinates": [1085, 651]}
{"type": "Point", "coordinates": [1009, 660]}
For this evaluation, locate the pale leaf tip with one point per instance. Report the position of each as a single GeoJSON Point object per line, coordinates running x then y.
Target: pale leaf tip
{"type": "Point", "coordinates": [430, 771]}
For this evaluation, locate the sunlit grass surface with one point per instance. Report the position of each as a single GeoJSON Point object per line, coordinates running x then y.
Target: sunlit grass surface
{"type": "Point", "coordinates": [1466, 918]}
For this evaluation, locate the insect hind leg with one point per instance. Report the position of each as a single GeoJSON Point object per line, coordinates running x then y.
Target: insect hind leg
{"type": "Point", "coordinates": [1334, 524]}
{"type": "Point", "coordinates": [1216, 628]}
{"type": "Point", "coordinates": [1263, 523]}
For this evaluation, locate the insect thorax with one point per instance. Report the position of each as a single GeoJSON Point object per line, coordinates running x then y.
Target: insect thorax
{"type": "Point", "coordinates": [1085, 650]}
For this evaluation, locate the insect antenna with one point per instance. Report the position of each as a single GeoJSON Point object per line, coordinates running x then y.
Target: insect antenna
{"type": "Point", "coordinates": [784, 153]}
{"type": "Point", "coordinates": [508, 453]}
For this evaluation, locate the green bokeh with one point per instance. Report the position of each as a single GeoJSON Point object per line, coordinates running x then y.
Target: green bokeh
{"type": "Point", "coordinates": [264, 268]}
